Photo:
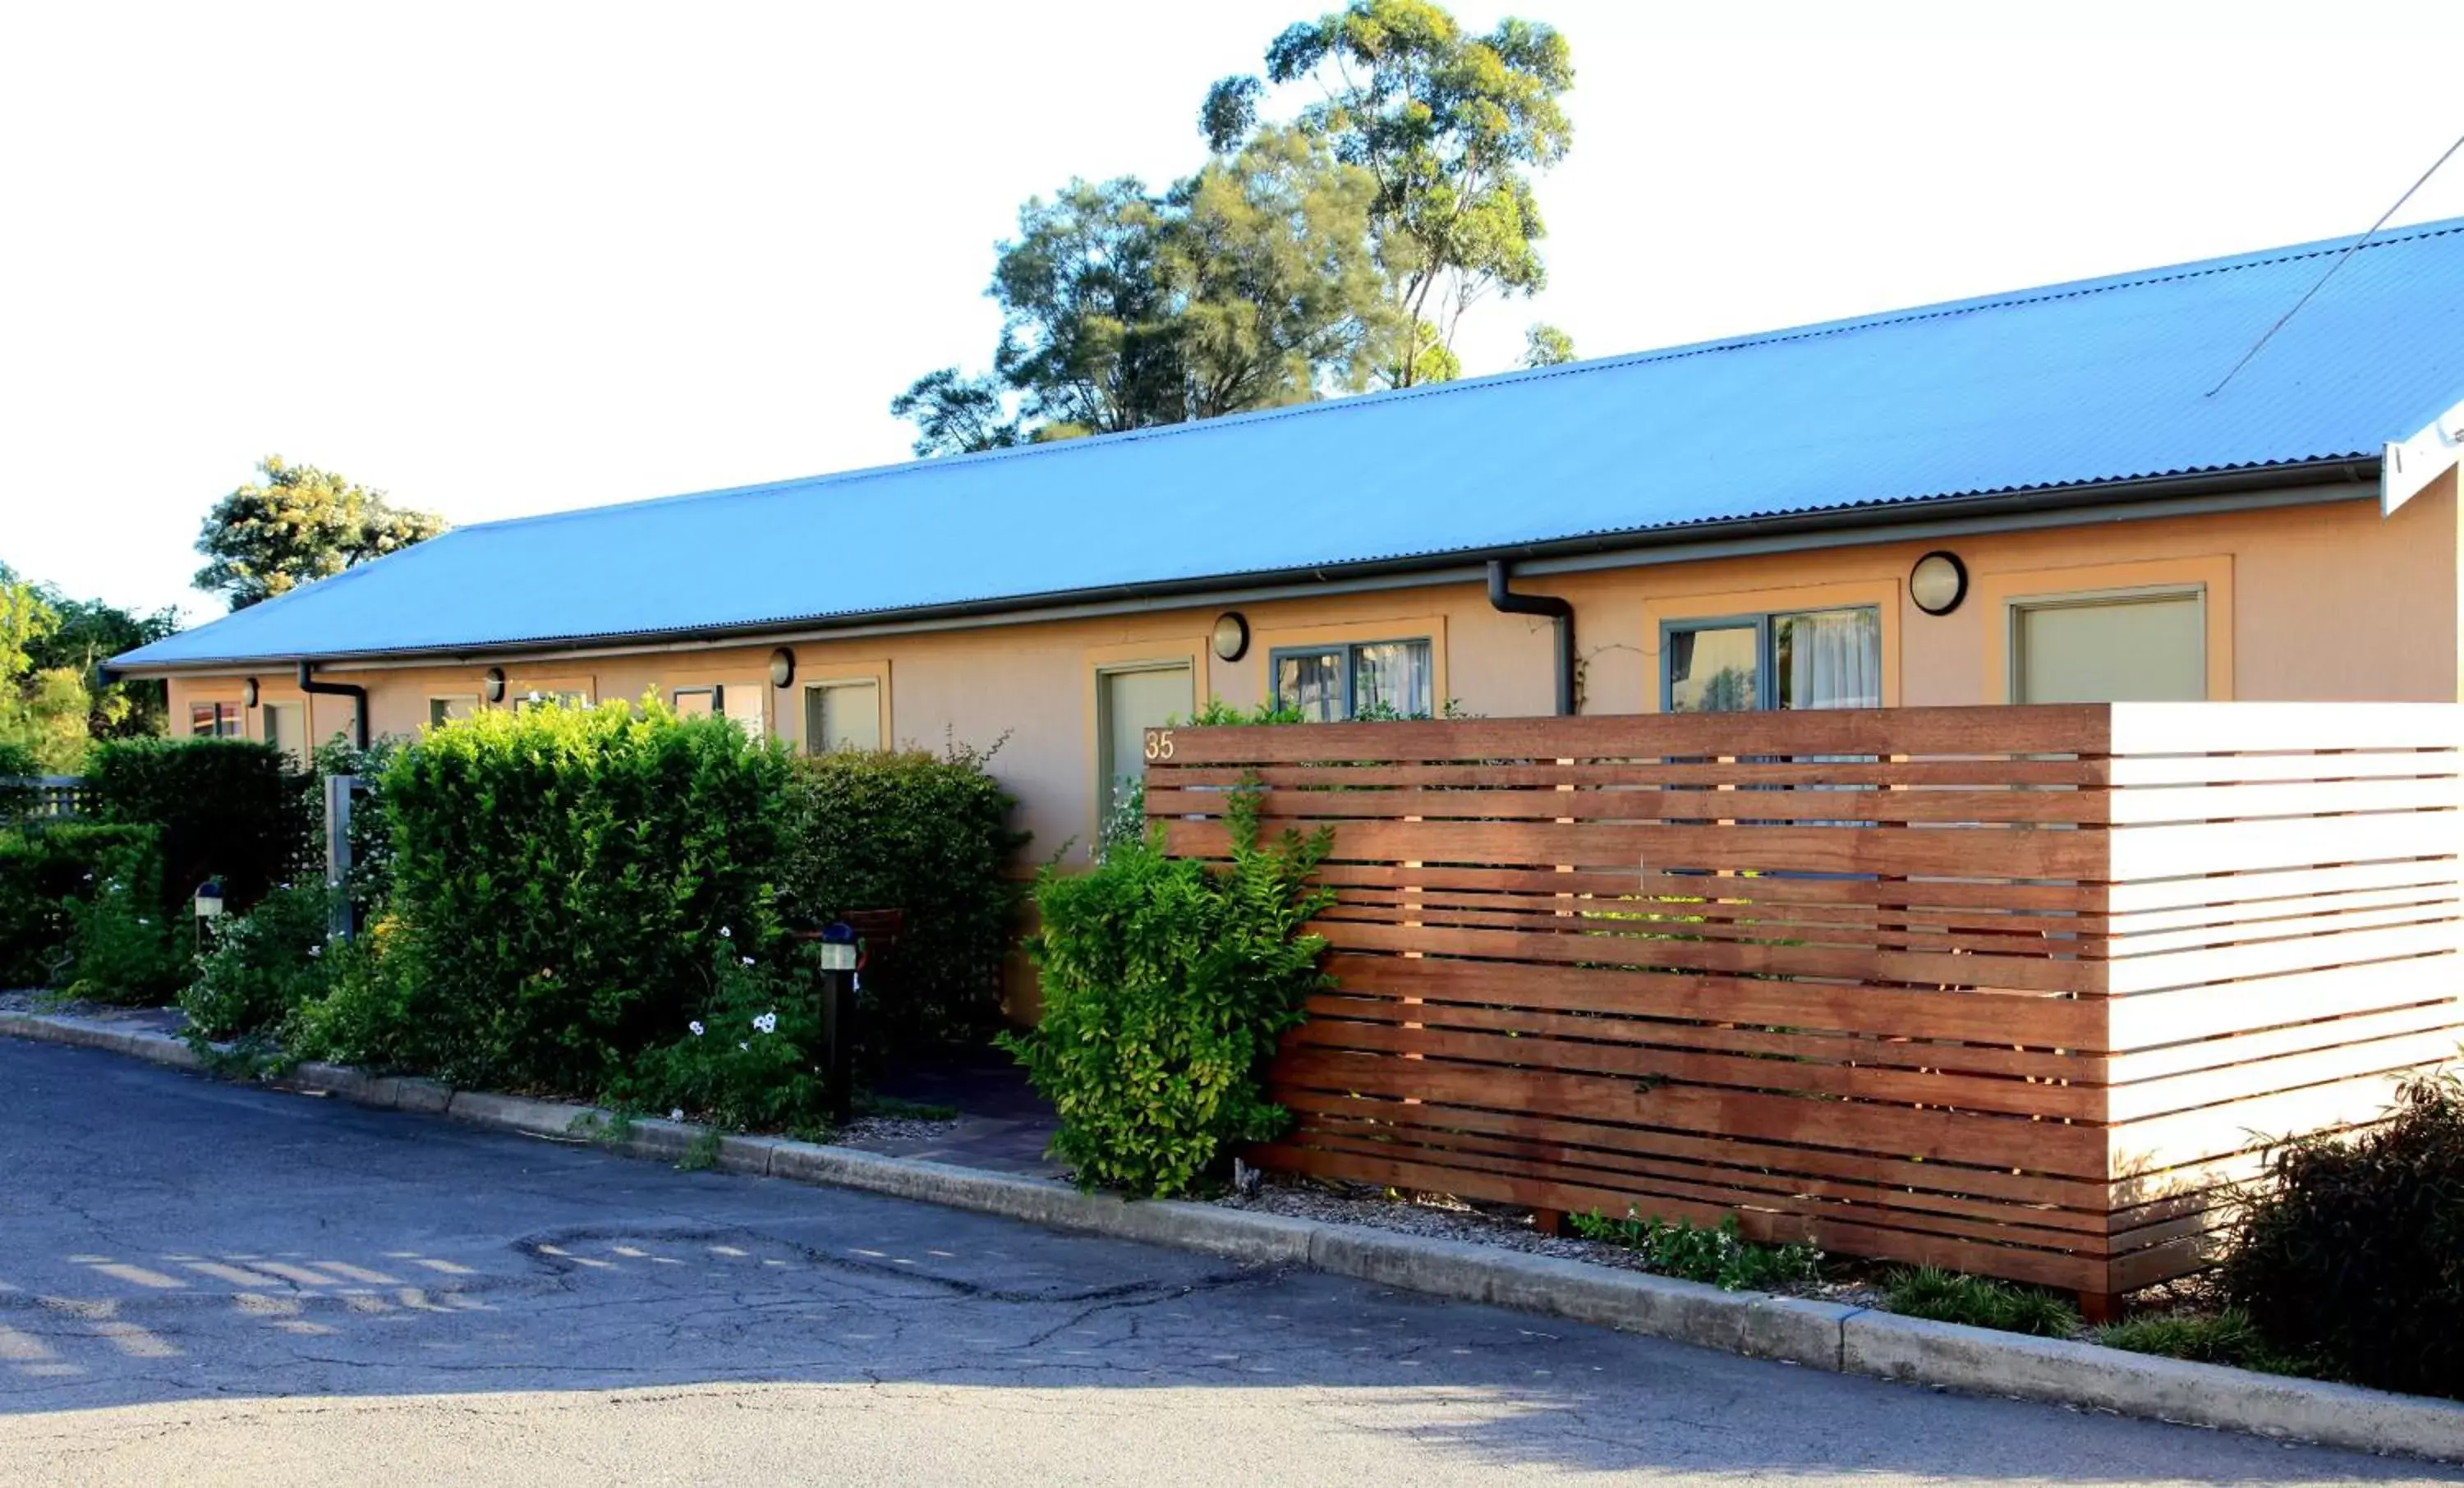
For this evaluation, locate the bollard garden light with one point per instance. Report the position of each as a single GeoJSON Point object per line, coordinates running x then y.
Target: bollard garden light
{"type": "Point", "coordinates": [839, 960]}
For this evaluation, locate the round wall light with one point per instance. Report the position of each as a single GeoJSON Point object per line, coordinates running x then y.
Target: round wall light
{"type": "Point", "coordinates": [783, 666]}
{"type": "Point", "coordinates": [1231, 637]}
{"type": "Point", "coordinates": [1938, 583]}
{"type": "Point", "coordinates": [492, 685]}
{"type": "Point", "coordinates": [248, 693]}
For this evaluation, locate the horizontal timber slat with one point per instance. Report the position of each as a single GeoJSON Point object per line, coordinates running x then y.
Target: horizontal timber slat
{"type": "Point", "coordinates": [2021, 991]}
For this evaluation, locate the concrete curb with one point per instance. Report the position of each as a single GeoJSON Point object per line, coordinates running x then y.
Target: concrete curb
{"type": "Point", "coordinates": [1820, 1335]}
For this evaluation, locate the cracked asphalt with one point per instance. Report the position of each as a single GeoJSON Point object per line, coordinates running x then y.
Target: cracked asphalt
{"type": "Point", "coordinates": [204, 1283]}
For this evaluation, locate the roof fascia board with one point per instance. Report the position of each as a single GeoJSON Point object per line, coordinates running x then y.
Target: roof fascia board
{"type": "Point", "coordinates": [2409, 465]}
{"type": "Point", "coordinates": [1799, 531]}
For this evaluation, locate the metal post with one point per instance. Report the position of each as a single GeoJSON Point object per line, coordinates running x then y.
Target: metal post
{"type": "Point", "coordinates": [838, 1020]}
{"type": "Point", "coordinates": [338, 853]}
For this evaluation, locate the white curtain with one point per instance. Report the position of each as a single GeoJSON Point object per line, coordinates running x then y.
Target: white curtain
{"type": "Point", "coordinates": [1834, 658]}
{"type": "Point", "coordinates": [1392, 677]}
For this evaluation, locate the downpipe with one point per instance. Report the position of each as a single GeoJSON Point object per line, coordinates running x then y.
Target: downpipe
{"type": "Point", "coordinates": [358, 696]}
{"type": "Point", "coordinates": [1503, 599]}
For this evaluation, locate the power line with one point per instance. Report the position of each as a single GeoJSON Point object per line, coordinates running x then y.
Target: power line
{"type": "Point", "coordinates": [2350, 248]}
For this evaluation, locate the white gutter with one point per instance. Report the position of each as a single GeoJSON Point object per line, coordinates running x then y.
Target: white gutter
{"type": "Point", "coordinates": [2410, 465]}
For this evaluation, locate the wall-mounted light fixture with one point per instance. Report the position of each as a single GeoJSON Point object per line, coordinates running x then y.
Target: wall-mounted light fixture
{"type": "Point", "coordinates": [1938, 583]}
{"type": "Point", "coordinates": [1231, 636]}
{"type": "Point", "coordinates": [492, 685]}
{"type": "Point", "coordinates": [783, 666]}
{"type": "Point", "coordinates": [248, 693]}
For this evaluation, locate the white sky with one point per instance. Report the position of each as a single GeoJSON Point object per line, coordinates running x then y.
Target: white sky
{"type": "Point", "coordinates": [506, 259]}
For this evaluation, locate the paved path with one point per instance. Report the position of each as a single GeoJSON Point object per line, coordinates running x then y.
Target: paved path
{"type": "Point", "coordinates": [202, 1284]}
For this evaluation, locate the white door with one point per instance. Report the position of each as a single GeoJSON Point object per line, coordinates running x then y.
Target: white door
{"type": "Point", "coordinates": [1128, 703]}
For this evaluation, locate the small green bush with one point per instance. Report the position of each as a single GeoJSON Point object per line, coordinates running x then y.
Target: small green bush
{"type": "Point", "coordinates": [2226, 1337]}
{"type": "Point", "coordinates": [561, 878]}
{"type": "Point", "coordinates": [929, 834]}
{"type": "Point", "coordinates": [261, 967]}
{"type": "Point", "coordinates": [1950, 1297]}
{"type": "Point", "coordinates": [2352, 1248]}
{"type": "Point", "coordinates": [227, 809]}
{"type": "Point", "coordinates": [749, 1062]}
{"type": "Point", "coordinates": [1718, 1254]}
{"type": "Point", "coordinates": [121, 947]}
{"type": "Point", "coordinates": [41, 867]}
{"type": "Point", "coordinates": [1166, 983]}
{"type": "Point", "coordinates": [371, 832]}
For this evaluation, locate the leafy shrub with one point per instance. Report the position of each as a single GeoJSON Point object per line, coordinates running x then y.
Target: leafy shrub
{"type": "Point", "coordinates": [1165, 985]}
{"type": "Point", "coordinates": [1718, 1254]}
{"type": "Point", "coordinates": [2352, 1249]}
{"type": "Point", "coordinates": [750, 1059]}
{"type": "Point", "coordinates": [227, 809]}
{"type": "Point", "coordinates": [561, 881]}
{"type": "Point", "coordinates": [1950, 1297]}
{"type": "Point", "coordinates": [2226, 1337]}
{"type": "Point", "coordinates": [925, 833]}
{"type": "Point", "coordinates": [260, 967]}
{"type": "Point", "coordinates": [121, 947]}
{"type": "Point", "coordinates": [40, 867]}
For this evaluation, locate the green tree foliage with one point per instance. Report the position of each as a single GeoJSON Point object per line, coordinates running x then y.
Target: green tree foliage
{"type": "Point", "coordinates": [1166, 983]}
{"type": "Point", "coordinates": [1452, 126]}
{"type": "Point", "coordinates": [1246, 285]}
{"type": "Point", "coordinates": [1545, 346]}
{"type": "Point", "coordinates": [48, 647]}
{"type": "Point", "coordinates": [298, 525]}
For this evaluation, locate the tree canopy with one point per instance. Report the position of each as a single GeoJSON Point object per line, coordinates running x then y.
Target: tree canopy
{"type": "Point", "coordinates": [50, 706]}
{"type": "Point", "coordinates": [1451, 127]}
{"type": "Point", "coordinates": [1547, 346]}
{"type": "Point", "coordinates": [1328, 255]}
{"type": "Point", "coordinates": [296, 525]}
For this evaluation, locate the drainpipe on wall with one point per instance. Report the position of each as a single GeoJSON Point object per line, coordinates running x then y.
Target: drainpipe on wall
{"type": "Point", "coordinates": [1503, 599]}
{"type": "Point", "coordinates": [357, 696]}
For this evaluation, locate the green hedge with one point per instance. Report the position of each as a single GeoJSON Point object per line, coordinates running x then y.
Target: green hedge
{"type": "Point", "coordinates": [1166, 983]}
{"type": "Point", "coordinates": [561, 879]}
{"type": "Point", "coordinates": [41, 870]}
{"type": "Point", "coordinates": [226, 808]}
{"type": "Point", "coordinates": [929, 834]}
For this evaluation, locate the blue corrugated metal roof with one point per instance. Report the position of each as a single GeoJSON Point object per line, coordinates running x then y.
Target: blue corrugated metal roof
{"type": "Point", "coordinates": [2100, 381]}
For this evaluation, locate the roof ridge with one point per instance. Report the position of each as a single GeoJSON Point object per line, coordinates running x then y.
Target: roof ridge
{"type": "Point", "coordinates": [2004, 299]}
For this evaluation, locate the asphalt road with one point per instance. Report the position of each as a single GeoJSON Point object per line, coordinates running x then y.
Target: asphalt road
{"type": "Point", "coordinates": [202, 1284]}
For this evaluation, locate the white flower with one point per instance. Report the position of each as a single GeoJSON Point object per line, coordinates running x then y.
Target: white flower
{"type": "Point", "coordinates": [143, 920]}
{"type": "Point", "coordinates": [678, 1114]}
{"type": "Point", "coordinates": [748, 960]}
{"type": "Point", "coordinates": [695, 1026]}
{"type": "Point", "coordinates": [746, 1047]}
{"type": "Point", "coordinates": [316, 951]}
{"type": "Point", "coordinates": [724, 933]}
{"type": "Point", "coordinates": [766, 1023]}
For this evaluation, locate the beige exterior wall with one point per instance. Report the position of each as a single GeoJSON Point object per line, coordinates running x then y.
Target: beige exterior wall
{"type": "Point", "coordinates": [2325, 601]}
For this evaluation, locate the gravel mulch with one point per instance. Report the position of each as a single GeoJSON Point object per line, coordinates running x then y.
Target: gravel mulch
{"type": "Point", "coordinates": [900, 1129]}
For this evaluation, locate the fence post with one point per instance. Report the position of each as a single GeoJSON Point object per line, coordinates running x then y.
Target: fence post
{"type": "Point", "coordinates": [338, 853]}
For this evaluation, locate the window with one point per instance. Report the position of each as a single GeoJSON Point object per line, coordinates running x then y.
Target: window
{"type": "Point", "coordinates": [695, 702]}
{"type": "Point", "coordinates": [1369, 679]}
{"type": "Point", "coordinates": [286, 731]}
{"type": "Point", "coordinates": [1129, 701]}
{"type": "Point", "coordinates": [442, 710]}
{"type": "Point", "coordinates": [842, 716]}
{"type": "Point", "coordinates": [2141, 647]}
{"type": "Point", "coordinates": [215, 720]}
{"type": "Point", "coordinates": [1793, 659]}
{"type": "Point", "coordinates": [740, 701]}
{"type": "Point", "coordinates": [534, 697]}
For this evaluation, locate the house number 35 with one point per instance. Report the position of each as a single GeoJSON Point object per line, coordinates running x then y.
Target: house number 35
{"type": "Point", "coordinates": [1158, 744]}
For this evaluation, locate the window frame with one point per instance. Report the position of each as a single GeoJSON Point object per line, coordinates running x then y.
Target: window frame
{"type": "Point", "coordinates": [1995, 591]}
{"type": "Point", "coordinates": [1766, 648]}
{"type": "Point", "coordinates": [812, 695]}
{"type": "Point", "coordinates": [470, 705]}
{"type": "Point", "coordinates": [2016, 609]}
{"type": "Point", "coordinates": [230, 720]}
{"type": "Point", "coordinates": [1352, 650]}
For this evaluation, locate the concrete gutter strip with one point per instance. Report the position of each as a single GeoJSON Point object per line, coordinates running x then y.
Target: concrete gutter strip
{"type": "Point", "coordinates": [1820, 1335]}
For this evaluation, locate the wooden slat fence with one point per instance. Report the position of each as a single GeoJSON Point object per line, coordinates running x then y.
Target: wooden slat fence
{"type": "Point", "coordinates": [2013, 990]}
{"type": "Point", "coordinates": [56, 797]}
